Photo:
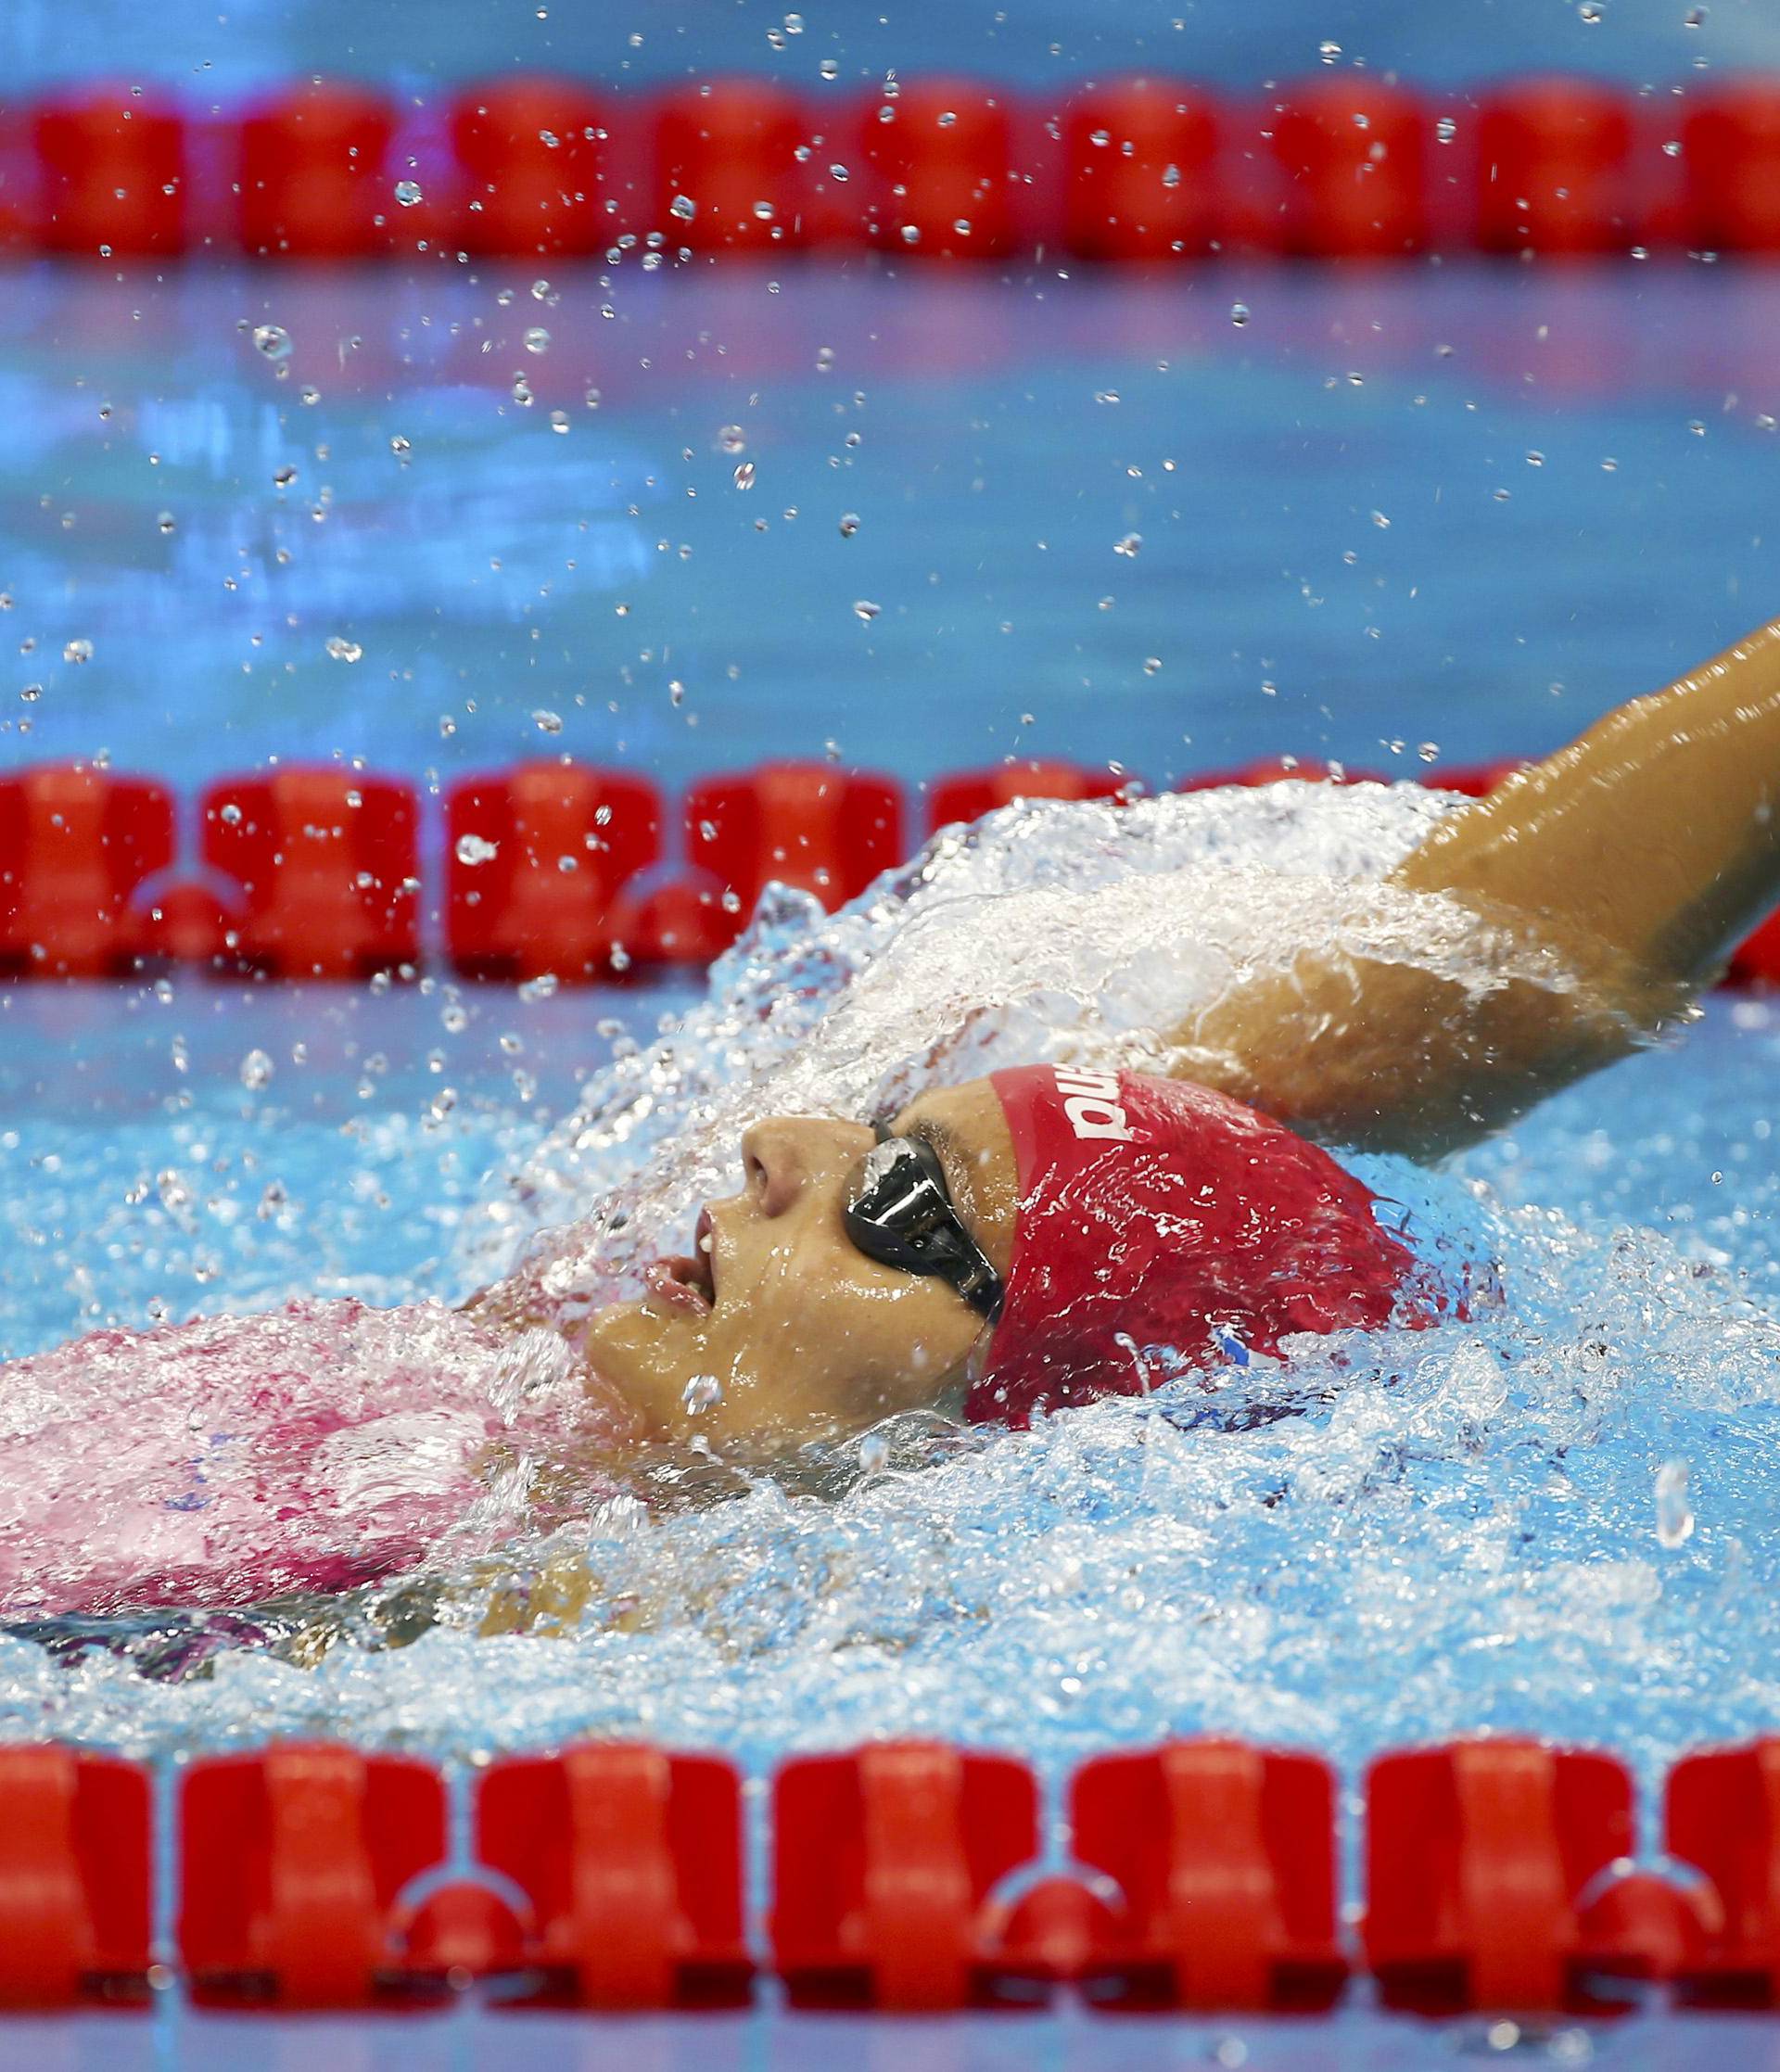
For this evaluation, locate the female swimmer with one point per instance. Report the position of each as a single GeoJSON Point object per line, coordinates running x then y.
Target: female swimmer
{"type": "Point", "coordinates": [1015, 1242]}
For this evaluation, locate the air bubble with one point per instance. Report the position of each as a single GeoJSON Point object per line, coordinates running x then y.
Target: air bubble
{"type": "Point", "coordinates": [343, 650]}
{"type": "Point", "coordinates": [272, 340]}
{"type": "Point", "coordinates": [1675, 1507]}
{"type": "Point", "coordinates": [547, 722]}
{"type": "Point", "coordinates": [77, 651]}
{"type": "Point", "coordinates": [255, 1071]}
{"type": "Point", "coordinates": [472, 849]}
{"type": "Point", "coordinates": [408, 192]}
{"type": "Point", "coordinates": [865, 610]}
{"type": "Point", "coordinates": [1239, 313]}
{"type": "Point", "coordinates": [537, 339]}
{"type": "Point", "coordinates": [850, 523]}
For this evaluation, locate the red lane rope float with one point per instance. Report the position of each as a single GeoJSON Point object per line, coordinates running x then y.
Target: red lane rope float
{"type": "Point", "coordinates": [1141, 176]}
{"type": "Point", "coordinates": [1721, 1814]}
{"type": "Point", "coordinates": [1730, 147]}
{"type": "Point", "coordinates": [1355, 156]}
{"type": "Point", "coordinates": [313, 179]}
{"type": "Point", "coordinates": [327, 864]}
{"type": "Point", "coordinates": [1553, 169]}
{"type": "Point", "coordinates": [1338, 166]}
{"type": "Point", "coordinates": [1477, 1855]}
{"type": "Point", "coordinates": [291, 1862]}
{"type": "Point", "coordinates": [533, 153]}
{"type": "Point", "coordinates": [75, 1893]}
{"type": "Point", "coordinates": [728, 178]}
{"type": "Point", "coordinates": [883, 1862]}
{"type": "Point", "coordinates": [114, 176]}
{"type": "Point", "coordinates": [1225, 1857]}
{"type": "Point", "coordinates": [940, 153]}
{"type": "Point", "coordinates": [313, 872]}
{"type": "Point", "coordinates": [972, 792]}
{"type": "Point", "coordinates": [75, 845]}
{"type": "Point", "coordinates": [535, 859]}
{"type": "Point", "coordinates": [631, 1860]}
{"type": "Point", "coordinates": [808, 825]}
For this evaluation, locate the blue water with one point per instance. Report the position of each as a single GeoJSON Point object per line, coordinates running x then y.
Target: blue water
{"type": "Point", "coordinates": [203, 50]}
{"type": "Point", "coordinates": [1471, 1536]}
{"type": "Point", "coordinates": [1461, 506]}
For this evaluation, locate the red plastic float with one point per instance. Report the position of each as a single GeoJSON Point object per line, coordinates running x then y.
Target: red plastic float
{"type": "Point", "coordinates": [632, 1859]}
{"type": "Point", "coordinates": [971, 792]}
{"type": "Point", "coordinates": [1355, 156]}
{"type": "Point", "coordinates": [75, 843]}
{"type": "Point", "coordinates": [940, 156]}
{"type": "Point", "coordinates": [1141, 170]}
{"type": "Point", "coordinates": [883, 1862]}
{"type": "Point", "coordinates": [535, 860]}
{"type": "Point", "coordinates": [1225, 1855]}
{"type": "Point", "coordinates": [313, 176]}
{"type": "Point", "coordinates": [1730, 150]}
{"type": "Point", "coordinates": [1476, 1856]}
{"type": "Point", "coordinates": [1474, 779]}
{"type": "Point", "coordinates": [1553, 169]}
{"type": "Point", "coordinates": [291, 1863]}
{"type": "Point", "coordinates": [75, 1854]}
{"type": "Point", "coordinates": [1721, 1814]}
{"type": "Point", "coordinates": [533, 150]}
{"type": "Point", "coordinates": [114, 171]}
{"type": "Point", "coordinates": [726, 174]}
{"type": "Point", "coordinates": [808, 825]}
{"type": "Point", "coordinates": [325, 859]}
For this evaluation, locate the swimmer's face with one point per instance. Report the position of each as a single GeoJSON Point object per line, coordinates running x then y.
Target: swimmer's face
{"type": "Point", "coordinates": [798, 1335]}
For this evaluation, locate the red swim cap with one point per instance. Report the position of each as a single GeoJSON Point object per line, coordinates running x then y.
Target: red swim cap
{"type": "Point", "coordinates": [1153, 1212]}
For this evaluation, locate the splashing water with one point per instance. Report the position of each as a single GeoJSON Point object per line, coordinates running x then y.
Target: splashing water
{"type": "Point", "coordinates": [1554, 1515]}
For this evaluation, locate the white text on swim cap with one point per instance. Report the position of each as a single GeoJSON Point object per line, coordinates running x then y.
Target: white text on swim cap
{"type": "Point", "coordinates": [1091, 1102]}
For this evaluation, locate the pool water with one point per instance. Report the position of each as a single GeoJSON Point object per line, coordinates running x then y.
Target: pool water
{"type": "Point", "coordinates": [1340, 537]}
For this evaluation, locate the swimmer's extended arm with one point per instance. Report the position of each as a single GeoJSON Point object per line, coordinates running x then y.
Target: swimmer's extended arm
{"type": "Point", "coordinates": [1638, 856]}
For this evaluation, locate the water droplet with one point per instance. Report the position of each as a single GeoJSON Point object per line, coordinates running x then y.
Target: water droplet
{"type": "Point", "coordinates": [1239, 313]}
{"type": "Point", "coordinates": [1129, 545]}
{"type": "Point", "coordinates": [850, 523]}
{"type": "Point", "coordinates": [343, 650]}
{"type": "Point", "coordinates": [472, 849]}
{"type": "Point", "coordinates": [283, 476]}
{"type": "Point", "coordinates": [401, 446]}
{"type": "Point", "coordinates": [1697, 426]}
{"type": "Point", "coordinates": [1672, 149]}
{"type": "Point", "coordinates": [77, 651]}
{"type": "Point", "coordinates": [540, 988]}
{"type": "Point", "coordinates": [701, 1392]}
{"type": "Point", "coordinates": [864, 609]}
{"type": "Point", "coordinates": [875, 1453]}
{"type": "Point", "coordinates": [1171, 176]}
{"type": "Point", "coordinates": [1591, 12]}
{"type": "Point", "coordinates": [547, 722]}
{"type": "Point", "coordinates": [1379, 520]}
{"type": "Point", "coordinates": [541, 291]}
{"type": "Point", "coordinates": [1674, 1507]}
{"type": "Point", "coordinates": [537, 339]}
{"type": "Point", "coordinates": [522, 391]}
{"type": "Point", "coordinates": [764, 211]}
{"type": "Point", "coordinates": [830, 68]}
{"type": "Point", "coordinates": [911, 234]}
{"type": "Point", "coordinates": [1328, 51]}
{"type": "Point", "coordinates": [683, 206]}
{"type": "Point", "coordinates": [559, 421]}
{"type": "Point", "coordinates": [408, 192]}
{"type": "Point", "coordinates": [1445, 130]}
{"type": "Point", "coordinates": [1151, 665]}
{"type": "Point", "coordinates": [255, 1071]}
{"type": "Point", "coordinates": [838, 172]}
{"type": "Point", "coordinates": [962, 226]}
{"type": "Point", "coordinates": [272, 340]}
{"type": "Point", "coordinates": [31, 694]}
{"type": "Point", "coordinates": [744, 475]}
{"type": "Point", "coordinates": [455, 1017]}
{"type": "Point", "coordinates": [731, 439]}
{"type": "Point", "coordinates": [309, 395]}
{"type": "Point", "coordinates": [1693, 18]}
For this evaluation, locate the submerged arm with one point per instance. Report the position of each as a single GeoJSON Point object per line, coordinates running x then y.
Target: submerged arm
{"type": "Point", "coordinates": [1636, 858]}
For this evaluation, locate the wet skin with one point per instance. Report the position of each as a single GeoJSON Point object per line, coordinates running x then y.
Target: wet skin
{"type": "Point", "coordinates": [780, 1331]}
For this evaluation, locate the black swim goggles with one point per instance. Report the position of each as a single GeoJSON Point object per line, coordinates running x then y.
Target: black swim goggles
{"type": "Point", "coordinates": [900, 1213]}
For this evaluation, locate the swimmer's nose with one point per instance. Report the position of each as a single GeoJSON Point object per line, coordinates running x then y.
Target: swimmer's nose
{"type": "Point", "coordinates": [783, 1155]}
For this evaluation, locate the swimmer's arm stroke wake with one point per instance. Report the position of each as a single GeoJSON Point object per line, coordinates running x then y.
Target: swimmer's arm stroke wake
{"type": "Point", "coordinates": [1637, 858]}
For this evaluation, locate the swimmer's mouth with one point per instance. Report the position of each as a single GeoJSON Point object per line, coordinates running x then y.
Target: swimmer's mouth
{"type": "Point", "coordinates": [688, 1282]}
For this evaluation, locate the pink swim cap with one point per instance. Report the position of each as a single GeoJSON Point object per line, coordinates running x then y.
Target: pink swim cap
{"type": "Point", "coordinates": [1153, 1212]}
